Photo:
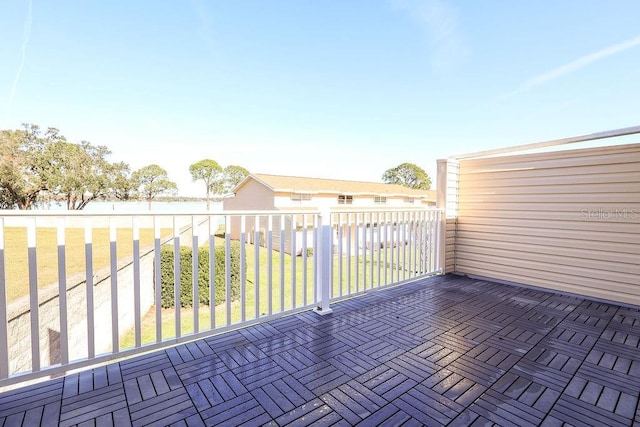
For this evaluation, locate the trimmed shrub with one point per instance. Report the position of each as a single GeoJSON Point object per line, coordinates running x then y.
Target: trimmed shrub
{"type": "Point", "coordinates": [186, 286]}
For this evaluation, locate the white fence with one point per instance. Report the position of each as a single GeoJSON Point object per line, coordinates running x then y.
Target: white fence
{"type": "Point", "coordinates": [82, 288]}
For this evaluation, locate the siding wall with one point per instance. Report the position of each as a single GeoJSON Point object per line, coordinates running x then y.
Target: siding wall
{"type": "Point", "coordinates": [567, 220]}
{"type": "Point", "coordinates": [254, 196]}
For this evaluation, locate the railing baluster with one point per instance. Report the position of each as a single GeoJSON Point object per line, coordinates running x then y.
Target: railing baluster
{"type": "Point", "coordinates": [411, 241]}
{"type": "Point", "coordinates": [371, 248]}
{"type": "Point", "coordinates": [137, 310]}
{"type": "Point", "coordinates": [176, 278]}
{"type": "Point", "coordinates": [427, 242]}
{"type": "Point", "coordinates": [385, 245]}
{"type": "Point", "coordinates": [157, 277]}
{"type": "Point", "coordinates": [404, 245]}
{"type": "Point", "coordinates": [243, 272]}
{"type": "Point", "coordinates": [432, 249]}
{"type": "Point", "coordinates": [4, 336]}
{"type": "Point", "coordinates": [340, 254]}
{"type": "Point", "coordinates": [294, 254]}
{"type": "Point", "coordinates": [113, 257]}
{"type": "Point", "coordinates": [422, 267]}
{"type": "Point", "coordinates": [88, 256]}
{"type": "Point", "coordinates": [436, 226]}
{"type": "Point", "coordinates": [419, 243]}
{"type": "Point", "coordinates": [401, 246]}
{"type": "Point", "coordinates": [316, 257]}
{"type": "Point", "coordinates": [440, 234]}
{"type": "Point", "coordinates": [227, 268]}
{"type": "Point", "coordinates": [365, 245]}
{"type": "Point", "coordinates": [195, 288]}
{"type": "Point", "coordinates": [357, 249]}
{"type": "Point", "coordinates": [396, 225]}
{"type": "Point", "coordinates": [303, 250]}
{"type": "Point", "coordinates": [375, 250]}
{"type": "Point", "coordinates": [422, 242]}
{"type": "Point", "coordinates": [212, 271]}
{"type": "Point", "coordinates": [62, 292]}
{"type": "Point", "coordinates": [256, 265]}
{"type": "Point", "coordinates": [282, 239]}
{"type": "Point", "coordinates": [349, 231]}
{"type": "Point", "coordinates": [33, 294]}
{"type": "Point", "coordinates": [379, 245]}
{"type": "Point", "coordinates": [270, 262]}
{"type": "Point", "coordinates": [324, 257]}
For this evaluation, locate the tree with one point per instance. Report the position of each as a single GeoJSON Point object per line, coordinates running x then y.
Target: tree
{"type": "Point", "coordinates": [36, 167]}
{"type": "Point", "coordinates": [233, 175]}
{"type": "Point", "coordinates": [123, 187]}
{"type": "Point", "coordinates": [6, 200]}
{"type": "Point", "coordinates": [207, 170]}
{"type": "Point", "coordinates": [152, 181]}
{"type": "Point", "coordinates": [81, 172]}
{"type": "Point", "coordinates": [408, 175]}
{"type": "Point", "coordinates": [24, 166]}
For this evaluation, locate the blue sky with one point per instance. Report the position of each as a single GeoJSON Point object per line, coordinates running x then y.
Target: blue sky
{"type": "Point", "coordinates": [336, 88]}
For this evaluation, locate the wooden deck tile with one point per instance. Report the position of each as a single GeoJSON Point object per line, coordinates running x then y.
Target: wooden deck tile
{"type": "Point", "coordinates": [144, 364]}
{"type": "Point", "coordinates": [443, 351]}
{"type": "Point", "coordinates": [30, 397]}
{"type": "Point", "coordinates": [169, 407]}
{"type": "Point", "coordinates": [576, 412]}
{"type": "Point", "coordinates": [239, 409]}
{"type": "Point", "coordinates": [428, 406]}
{"type": "Point", "coordinates": [196, 370]}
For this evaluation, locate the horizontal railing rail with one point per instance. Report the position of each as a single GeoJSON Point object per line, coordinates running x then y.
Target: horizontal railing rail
{"type": "Point", "coordinates": [83, 288]}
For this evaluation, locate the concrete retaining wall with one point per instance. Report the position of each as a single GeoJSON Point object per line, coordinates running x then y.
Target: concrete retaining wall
{"type": "Point", "coordinates": [19, 329]}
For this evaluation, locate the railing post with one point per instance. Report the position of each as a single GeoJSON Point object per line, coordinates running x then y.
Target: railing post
{"type": "Point", "coordinates": [325, 246]}
{"type": "Point", "coordinates": [448, 170]}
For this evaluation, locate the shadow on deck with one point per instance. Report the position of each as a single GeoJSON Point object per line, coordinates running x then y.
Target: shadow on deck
{"type": "Point", "coordinates": [446, 350]}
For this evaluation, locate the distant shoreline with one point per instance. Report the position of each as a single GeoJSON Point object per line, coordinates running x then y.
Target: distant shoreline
{"type": "Point", "coordinates": [140, 206]}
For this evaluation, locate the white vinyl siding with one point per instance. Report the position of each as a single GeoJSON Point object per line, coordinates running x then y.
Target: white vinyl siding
{"type": "Point", "coordinates": [566, 220]}
{"type": "Point", "coordinates": [251, 196]}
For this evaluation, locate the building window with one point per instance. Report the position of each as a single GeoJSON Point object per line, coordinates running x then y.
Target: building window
{"type": "Point", "coordinates": [344, 199]}
{"type": "Point", "coordinates": [380, 200]}
{"type": "Point", "coordinates": [409, 200]}
{"type": "Point", "coordinates": [299, 197]}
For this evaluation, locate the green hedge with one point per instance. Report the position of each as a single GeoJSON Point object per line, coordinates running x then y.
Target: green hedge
{"type": "Point", "coordinates": [186, 286]}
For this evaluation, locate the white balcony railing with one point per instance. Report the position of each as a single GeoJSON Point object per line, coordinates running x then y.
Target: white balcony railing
{"type": "Point", "coordinates": [78, 289]}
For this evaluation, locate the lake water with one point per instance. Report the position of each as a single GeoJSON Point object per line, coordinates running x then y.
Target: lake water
{"type": "Point", "coordinates": [138, 206]}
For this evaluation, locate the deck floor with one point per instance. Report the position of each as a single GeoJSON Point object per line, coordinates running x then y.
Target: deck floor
{"type": "Point", "coordinates": [446, 350]}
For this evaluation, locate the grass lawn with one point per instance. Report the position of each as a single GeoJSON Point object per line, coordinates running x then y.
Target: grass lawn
{"type": "Point", "coordinates": [282, 292]}
{"type": "Point", "coordinates": [16, 258]}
